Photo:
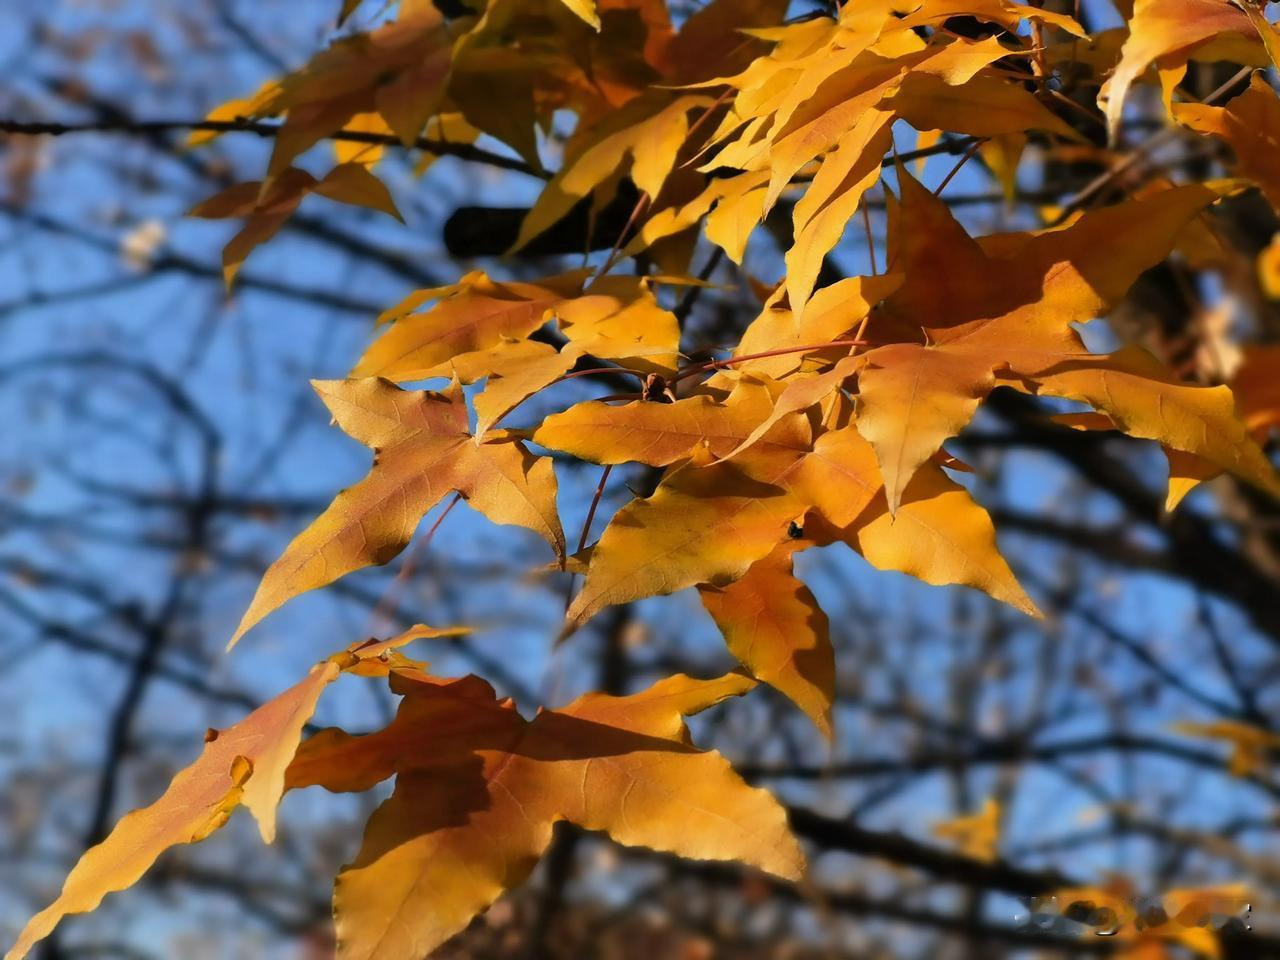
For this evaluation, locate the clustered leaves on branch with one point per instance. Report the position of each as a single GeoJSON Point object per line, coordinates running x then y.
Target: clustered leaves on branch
{"type": "Point", "coordinates": [826, 423]}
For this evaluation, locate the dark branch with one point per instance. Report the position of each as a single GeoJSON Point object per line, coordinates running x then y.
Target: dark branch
{"type": "Point", "coordinates": [463, 151]}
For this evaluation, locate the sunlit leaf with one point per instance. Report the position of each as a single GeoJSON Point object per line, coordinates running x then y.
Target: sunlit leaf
{"type": "Point", "coordinates": [478, 789]}
{"type": "Point", "coordinates": [423, 450]}
{"type": "Point", "coordinates": [241, 765]}
{"type": "Point", "coordinates": [772, 623]}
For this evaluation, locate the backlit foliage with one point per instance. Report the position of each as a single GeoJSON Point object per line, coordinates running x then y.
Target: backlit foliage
{"type": "Point", "coordinates": [826, 423]}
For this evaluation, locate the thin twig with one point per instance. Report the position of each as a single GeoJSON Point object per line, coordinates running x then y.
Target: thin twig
{"type": "Point", "coordinates": [968, 155]}
{"type": "Point", "coordinates": [690, 298]}
{"type": "Point", "coordinates": [599, 371]}
{"type": "Point", "coordinates": [1103, 180]}
{"type": "Point", "coordinates": [954, 145]}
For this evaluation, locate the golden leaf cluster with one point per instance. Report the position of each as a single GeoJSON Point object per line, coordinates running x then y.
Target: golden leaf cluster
{"type": "Point", "coordinates": [825, 423]}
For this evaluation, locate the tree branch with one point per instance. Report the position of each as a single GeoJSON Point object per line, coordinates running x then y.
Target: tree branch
{"type": "Point", "coordinates": [463, 151]}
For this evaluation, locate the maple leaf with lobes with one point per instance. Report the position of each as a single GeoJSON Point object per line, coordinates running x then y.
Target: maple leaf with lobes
{"type": "Point", "coordinates": [423, 450]}
{"type": "Point", "coordinates": [479, 788]}
{"type": "Point", "coordinates": [969, 310]}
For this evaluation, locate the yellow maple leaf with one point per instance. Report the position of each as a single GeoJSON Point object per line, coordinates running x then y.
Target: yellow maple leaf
{"type": "Point", "coordinates": [423, 451]}
{"type": "Point", "coordinates": [1249, 124]}
{"type": "Point", "coordinates": [515, 370]}
{"type": "Point", "coordinates": [618, 318]}
{"type": "Point", "coordinates": [1256, 386]}
{"type": "Point", "coordinates": [970, 309]}
{"type": "Point", "coordinates": [643, 138]}
{"type": "Point", "coordinates": [1167, 31]}
{"type": "Point", "coordinates": [478, 789]}
{"type": "Point", "coordinates": [772, 623]}
{"type": "Point", "coordinates": [655, 433]}
{"type": "Point", "coordinates": [473, 315]}
{"type": "Point", "coordinates": [266, 206]}
{"type": "Point", "coordinates": [248, 764]}
{"type": "Point", "coordinates": [398, 70]}
{"type": "Point", "coordinates": [939, 534]}
{"type": "Point", "coordinates": [586, 9]}
{"type": "Point", "coordinates": [1141, 398]}
{"type": "Point", "coordinates": [820, 216]}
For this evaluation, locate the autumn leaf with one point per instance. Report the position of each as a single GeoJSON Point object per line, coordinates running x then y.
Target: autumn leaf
{"type": "Point", "coordinates": [242, 765]}
{"type": "Point", "coordinates": [238, 108]}
{"type": "Point", "coordinates": [515, 370]}
{"type": "Point", "coordinates": [658, 434]}
{"type": "Point", "coordinates": [266, 207]}
{"type": "Point", "coordinates": [476, 314]}
{"type": "Point", "coordinates": [1166, 31]}
{"type": "Point", "coordinates": [983, 106]}
{"type": "Point", "coordinates": [423, 450]}
{"type": "Point", "coordinates": [642, 139]}
{"type": "Point", "coordinates": [717, 37]}
{"type": "Point", "coordinates": [248, 764]}
{"type": "Point", "coordinates": [478, 789]}
{"type": "Point", "coordinates": [1250, 125]}
{"type": "Point", "coordinates": [619, 319]}
{"type": "Point", "coordinates": [805, 99]}
{"type": "Point", "coordinates": [939, 534]}
{"type": "Point", "coordinates": [772, 340]}
{"type": "Point", "coordinates": [916, 397]}
{"type": "Point", "coordinates": [1251, 746]}
{"type": "Point", "coordinates": [703, 524]}
{"type": "Point", "coordinates": [1139, 396]}
{"type": "Point", "coordinates": [800, 394]}
{"type": "Point", "coordinates": [1268, 267]}
{"type": "Point", "coordinates": [1186, 470]}
{"type": "Point", "coordinates": [586, 9]}
{"type": "Point", "coordinates": [732, 207]}
{"type": "Point", "coordinates": [976, 835]}
{"type": "Point", "coordinates": [772, 623]}
{"type": "Point", "coordinates": [821, 121]}
{"type": "Point", "coordinates": [1256, 386]}
{"type": "Point", "coordinates": [398, 70]}
{"type": "Point", "coordinates": [707, 523]}
{"type": "Point", "coordinates": [967, 310]}
{"type": "Point", "coordinates": [832, 199]}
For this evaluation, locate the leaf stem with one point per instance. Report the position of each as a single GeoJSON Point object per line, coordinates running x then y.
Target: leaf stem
{"type": "Point", "coordinates": [598, 371]}
{"type": "Point", "coordinates": [586, 527]}
{"type": "Point", "coordinates": [616, 253]}
{"type": "Point", "coordinates": [716, 364]}
{"type": "Point", "coordinates": [871, 240]}
{"type": "Point", "coordinates": [391, 599]}
{"type": "Point", "coordinates": [591, 511]}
